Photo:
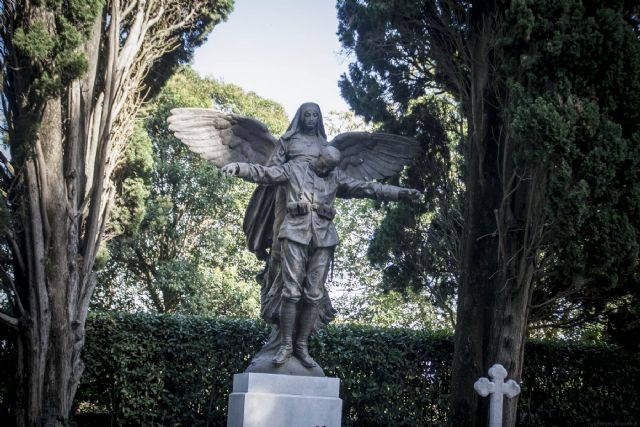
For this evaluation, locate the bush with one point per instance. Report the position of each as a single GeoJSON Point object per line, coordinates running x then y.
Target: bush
{"type": "Point", "coordinates": [164, 370]}
{"type": "Point", "coordinates": [569, 384]}
{"type": "Point", "coordinates": [178, 371]}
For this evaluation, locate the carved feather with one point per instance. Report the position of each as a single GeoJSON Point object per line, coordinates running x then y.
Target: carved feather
{"type": "Point", "coordinates": [377, 155]}
{"type": "Point", "coordinates": [222, 138]}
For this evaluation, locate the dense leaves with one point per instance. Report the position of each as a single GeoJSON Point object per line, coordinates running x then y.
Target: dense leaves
{"type": "Point", "coordinates": [550, 231]}
{"type": "Point", "coordinates": [184, 250]}
{"type": "Point", "coordinates": [151, 370]}
{"type": "Point", "coordinates": [55, 61]}
{"type": "Point", "coordinates": [178, 370]}
{"type": "Point", "coordinates": [573, 71]}
{"type": "Point", "coordinates": [567, 91]}
{"type": "Point", "coordinates": [355, 285]}
{"type": "Point", "coordinates": [392, 83]}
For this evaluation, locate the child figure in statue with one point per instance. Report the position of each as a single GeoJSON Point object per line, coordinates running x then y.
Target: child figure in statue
{"type": "Point", "coordinates": [307, 235]}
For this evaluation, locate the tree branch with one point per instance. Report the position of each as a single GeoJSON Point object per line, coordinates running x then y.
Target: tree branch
{"type": "Point", "coordinates": [12, 285]}
{"type": "Point", "coordinates": [7, 164]}
{"type": "Point", "coordinates": [9, 321]}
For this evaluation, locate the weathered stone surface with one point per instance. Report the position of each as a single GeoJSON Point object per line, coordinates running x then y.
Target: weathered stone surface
{"type": "Point", "coordinates": [260, 400]}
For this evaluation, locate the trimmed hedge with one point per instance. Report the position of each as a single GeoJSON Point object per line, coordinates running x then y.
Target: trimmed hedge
{"type": "Point", "coordinates": [164, 370]}
{"type": "Point", "coordinates": [178, 371]}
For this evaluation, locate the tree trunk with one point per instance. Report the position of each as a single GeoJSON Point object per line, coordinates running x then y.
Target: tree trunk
{"type": "Point", "coordinates": [51, 332]}
{"type": "Point", "coordinates": [498, 254]}
{"type": "Point", "coordinates": [66, 143]}
{"type": "Point", "coordinates": [49, 360]}
{"type": "Point", "coordinates": [479, 253]}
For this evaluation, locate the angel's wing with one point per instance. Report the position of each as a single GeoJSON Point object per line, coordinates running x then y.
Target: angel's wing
{"type": "Point", "coordinates": [222, 138]}
{"type": "Point", "coordinates": [377, 155]}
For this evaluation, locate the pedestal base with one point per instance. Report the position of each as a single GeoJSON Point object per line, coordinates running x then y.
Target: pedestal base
{"type": "Point", "coordinates": [260, 400]}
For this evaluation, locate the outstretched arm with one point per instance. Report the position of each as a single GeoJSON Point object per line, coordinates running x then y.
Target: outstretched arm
{"type": "Point", "coordinates": [353, 188]}
{"type": "Point", "coordinates": [257, 173]}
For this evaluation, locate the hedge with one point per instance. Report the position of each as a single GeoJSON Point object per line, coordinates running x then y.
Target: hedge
{"type": "Point", "coordinates": [177, 371]}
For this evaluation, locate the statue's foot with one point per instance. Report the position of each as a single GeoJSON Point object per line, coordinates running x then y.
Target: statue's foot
{"type": "Point", "coordinates": [284, 352]}
{"type": "Point", "coordinates": [302, 353]}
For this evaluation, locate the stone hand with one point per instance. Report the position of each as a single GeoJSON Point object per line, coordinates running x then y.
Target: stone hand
{"type": "Point", "coordinates": [409, 194]}
{"type": "Point", "coordinates": [232, 169]}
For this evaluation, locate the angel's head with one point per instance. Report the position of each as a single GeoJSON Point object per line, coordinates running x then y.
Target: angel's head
{"type": "Point", "coordinates": [309, 116]}
{"type": "Point", "coordinates": [308, 120]}
{"type": "Point", "coordinates": [328, 159]}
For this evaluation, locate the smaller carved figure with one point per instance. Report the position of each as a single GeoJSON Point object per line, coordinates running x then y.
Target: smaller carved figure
{"type": "Point", "coordinates": [308, 235]}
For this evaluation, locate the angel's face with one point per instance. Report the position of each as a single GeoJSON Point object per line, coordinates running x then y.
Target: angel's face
{"type": "Point", "coordinates": [310, 118]}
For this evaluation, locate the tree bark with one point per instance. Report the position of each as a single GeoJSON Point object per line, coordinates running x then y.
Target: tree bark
{"type": "Point", "coordinates": [479, 252]}
{"type": "Point", "coordinates": [47, 345]}
{"type": "Point", "coordinates": [501, 216]}
{"type": "Point", "coordinates": [48, 367]}
{"type": "Point", "coordinates": [66, 144]}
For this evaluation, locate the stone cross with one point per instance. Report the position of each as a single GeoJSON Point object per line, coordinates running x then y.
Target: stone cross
{"type": "Point", "coordinates": [497, 388]}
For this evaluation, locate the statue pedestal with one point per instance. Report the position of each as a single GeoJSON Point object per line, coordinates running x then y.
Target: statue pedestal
{"type": "Point", "coordinates": [260, 400]}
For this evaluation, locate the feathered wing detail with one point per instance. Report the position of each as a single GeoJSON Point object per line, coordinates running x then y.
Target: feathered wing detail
{"type": "Point", "coordinates": [222, 138]}
{"type": "Point", "coordinates": [367, 156]}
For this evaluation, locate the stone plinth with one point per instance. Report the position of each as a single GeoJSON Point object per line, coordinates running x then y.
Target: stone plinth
{"type": "Point", "coordinates": [260, 400]}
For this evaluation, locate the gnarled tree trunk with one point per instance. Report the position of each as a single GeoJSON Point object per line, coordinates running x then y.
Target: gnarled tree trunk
{"type": "Point", "coordinates": [66, 141]}
{"type": "Point", "coordinates": [503, 219]}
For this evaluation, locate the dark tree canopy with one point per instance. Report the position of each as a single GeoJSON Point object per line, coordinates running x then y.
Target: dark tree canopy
{"type": "Point", "coordinates": [570, 72]}
{"type": "Point", "coordinates": [549, 226]}
{"type": "Point", "coordinates": [573, 70]}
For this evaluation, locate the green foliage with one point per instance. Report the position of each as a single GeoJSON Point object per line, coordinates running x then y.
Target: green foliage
{"type": "Point", "coordinates": [36, 43]}
{"type": "Point", "coordinates": [140, 365]}
{"type": "Point", "coordinates": [568, 88]}
{"type": "Point", "coordinates": [356, 285]}
{"type": "Point", "coordinates": [178, 370]}
{"type": "Point", "coordinates": [157, 367]}
{"type": "Point", "coordinates": [211, 13]}
{"type": "Point", "coordinates": [180, 246]}
{"type": "Point", "coordinates": [130, 206]}
{"type": "Point", "coordinates": [389, 377]}
{"type": "Point", "coordinates": [417, 244]}
{"type": "Point", "coordinates": [53, 58]}
{"type": "Point", "coordinates": [569, 384]}
{"type": "Point", "coordinates": [573, 72]}
{"type": "Point", "coordinates": [391, 84]}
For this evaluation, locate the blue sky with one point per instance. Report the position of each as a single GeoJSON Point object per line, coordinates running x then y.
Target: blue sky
{"type": "Point", "coordinates": [284, 50]}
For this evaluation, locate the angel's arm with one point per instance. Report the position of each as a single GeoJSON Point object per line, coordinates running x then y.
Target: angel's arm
{"type": "Point", "coordinates": [351, 188]}
{"type": "Point", "coordinates": [259, 174]}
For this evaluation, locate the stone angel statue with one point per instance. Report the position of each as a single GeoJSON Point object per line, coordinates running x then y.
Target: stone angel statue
{"type": "Point", "coordinates": [292, 171]}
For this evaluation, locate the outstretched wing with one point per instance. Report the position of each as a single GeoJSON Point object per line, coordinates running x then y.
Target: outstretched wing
{"type": "Point", "coordinates": [377, 155]}
{"type": "Point", "coordinates": [222, 138]}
